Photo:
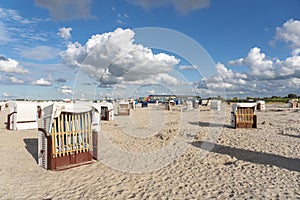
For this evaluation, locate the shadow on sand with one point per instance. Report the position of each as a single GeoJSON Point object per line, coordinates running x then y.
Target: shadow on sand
{"type": "Point", "coordinates": [207, 124]}
{"type": "Point", "coordinates": [292, 164]}
{"type": "Point", "coordinates": [31, 145]}
{"type": "Point", "coordinates": [290, 135]}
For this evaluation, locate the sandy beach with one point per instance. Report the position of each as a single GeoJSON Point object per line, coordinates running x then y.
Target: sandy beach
{"type": "Point", "coordinates": [262, 163]}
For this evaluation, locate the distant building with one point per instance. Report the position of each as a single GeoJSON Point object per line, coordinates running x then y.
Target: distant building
{"type": "Point", "coordinates": [160, 97]}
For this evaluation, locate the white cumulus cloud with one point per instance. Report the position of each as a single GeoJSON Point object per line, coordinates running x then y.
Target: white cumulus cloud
{"type": "Point", "coordinates": [285, 77]}
{"type": "Point", "coordinates": [65, 32]}
{"type": "Point", "coordinates": [294, 82]}
{"type": "Point", "coordinates": [289, 32]}
{"type": "Point", "coordinates": [6, 94]}
{"type": "Point", "coordinates": [15, 80]}
{"type": "Point", "coordinates": [291, 65]}
{"type": "Point", "coordinates": [11, 66]}
{"type": "Point", "coordinates": [257, 62]}
{"type": "Point", "coordinates": [42, 82]}
{"type": "Point", "coordinates": [114, 58]}
{"type": "Point", "coordinates": [65, 90]}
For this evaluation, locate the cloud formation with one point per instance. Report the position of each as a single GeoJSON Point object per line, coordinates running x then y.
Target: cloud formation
{"type": "Point", "coordinates": [263, 68]}
{"type": "Point", "coordinates": [15, 80]}
{"type": "Point", "coordinates": [65, 90]}
{"type": "Point", "coordinates": [289, 33]}
{"type": "Point", "coordinates": [264, 77]}
{"type": "Point", "coordinates": [180, 6]}
{"type": "Point", "coordinates": [67, 9]}
{"type": "Point", "coordinates": [11, 66]}
{"type": "Point", "coordinates": [65, 32]}
{"type": "Point", "coordinates": [14, 27]}
{"type": "Point", "coordinates": [13, 15]}
{"type": "Point", "coordinates": [5, 94]}
{"type": "Point", "coordinates": [257, 62]}
{"type": "Point", "coordinates": [187, 67]}
{"type": "Point", "coordinates": [42, 82]}
{"type": "Point", "coordinates": [113, 58]}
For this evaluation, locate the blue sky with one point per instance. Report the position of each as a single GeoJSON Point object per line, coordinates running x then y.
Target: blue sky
{"type": "Point", "coordinates": [92, 49]}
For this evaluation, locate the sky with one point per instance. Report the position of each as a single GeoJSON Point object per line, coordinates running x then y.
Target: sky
{"type": "Point", "coordinates": [91, 49]}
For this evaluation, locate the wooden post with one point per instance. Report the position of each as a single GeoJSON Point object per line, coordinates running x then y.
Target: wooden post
{"type": "Point", "coordinates": [62, 133]}
{"type": "Point", "coordinates": [54, 144]}
{"type": "Point", "coordinates": [59, 136]}
{"type": "Point", "coordinates": [84, 132]}
{"type": "Point", "coordinates": [74, 134]}
{"type": "Point", "coordinates": [80, 132]}
{"type": "Point", "coordinates": [53, 141]}
{"type": "Point", "coordinates": [237, 116]}
{"type": "Point", "coordinates": [90, 133]}
{"type": "Point", "coordinates": [67, 133]}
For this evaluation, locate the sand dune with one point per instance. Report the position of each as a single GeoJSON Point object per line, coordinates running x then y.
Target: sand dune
{"type": "Point", "coordinates": [262, 163]}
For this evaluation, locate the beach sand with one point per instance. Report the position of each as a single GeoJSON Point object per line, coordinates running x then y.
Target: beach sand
{"type": "Point", "coordinates": [262, 163]}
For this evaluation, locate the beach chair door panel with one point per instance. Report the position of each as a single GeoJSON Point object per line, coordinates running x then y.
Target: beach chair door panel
{"type": "Point", "coordinates": [104, 113]}
{"type": "Point", "coordinates": [95, 145]}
